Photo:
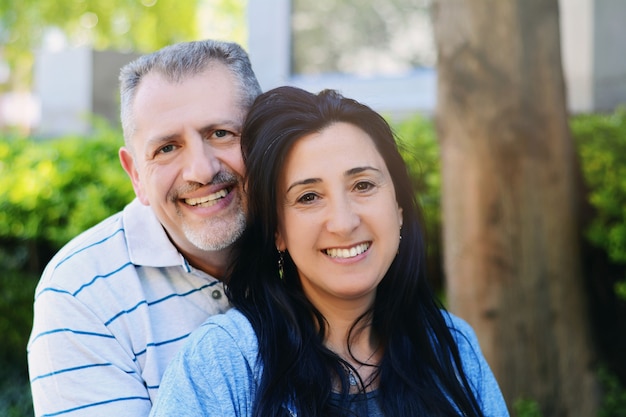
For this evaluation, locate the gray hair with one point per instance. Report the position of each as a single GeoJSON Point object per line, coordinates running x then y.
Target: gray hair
{"type": "Point", "coordinates": [180, 61]}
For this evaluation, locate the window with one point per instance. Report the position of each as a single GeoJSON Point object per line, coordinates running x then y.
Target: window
{"type": "Point", "coordinates": [380, 52]}
{"type": "Point", "coordinates": [361, 37]}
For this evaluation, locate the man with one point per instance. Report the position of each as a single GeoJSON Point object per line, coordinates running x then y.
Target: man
{"type": "Point", "coordinates": [118, 301]}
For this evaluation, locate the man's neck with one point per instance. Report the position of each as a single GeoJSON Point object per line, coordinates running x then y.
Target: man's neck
{"type": "Point", "coordinates": [213, 263]}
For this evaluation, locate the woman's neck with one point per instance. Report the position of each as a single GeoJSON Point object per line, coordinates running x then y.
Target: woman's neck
{"type": "Point", "coordinates": [341, 329]}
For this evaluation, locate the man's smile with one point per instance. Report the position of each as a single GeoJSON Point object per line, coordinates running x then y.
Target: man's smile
{"type": "Point", "coordinates": [208, 200]}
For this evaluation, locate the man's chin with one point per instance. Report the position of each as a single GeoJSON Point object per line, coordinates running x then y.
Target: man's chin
{"type": "Point", "coordinates": [215, 237]}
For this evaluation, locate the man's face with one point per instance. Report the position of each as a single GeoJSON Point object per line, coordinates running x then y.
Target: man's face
{"type": "Point", "coordinates": [186, 160]}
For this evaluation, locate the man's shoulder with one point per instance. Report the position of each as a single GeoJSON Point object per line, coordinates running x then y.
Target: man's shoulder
{"type": "Point", "coordinates": [110, 242]}
{"type": "Point", "coordinates": [90, 250]}
{"type": "Point", "coordinates": [102, 249]}
{"type": "Point", "coordinates": [100, 237]}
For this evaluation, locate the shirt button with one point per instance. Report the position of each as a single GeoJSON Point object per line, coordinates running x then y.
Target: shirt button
{"type": "Point", "coordinates": [216, 294]}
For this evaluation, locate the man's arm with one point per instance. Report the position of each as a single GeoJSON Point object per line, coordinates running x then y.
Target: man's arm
{"type": "Point", "coordinates": [77, 367]}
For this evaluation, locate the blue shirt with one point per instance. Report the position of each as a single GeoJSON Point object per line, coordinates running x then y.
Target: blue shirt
{"type": "Point", "coordinates": [218, 372]}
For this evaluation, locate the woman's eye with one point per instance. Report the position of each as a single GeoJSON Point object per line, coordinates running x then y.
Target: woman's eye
{"type": "Point", "coordinates": [307, 198]}
{"type": "Point", "coordinates": [363, 186]}
{"type": "Point", "coordinates": [220, 133]}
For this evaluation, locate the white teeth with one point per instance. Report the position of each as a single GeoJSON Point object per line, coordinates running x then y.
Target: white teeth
{"type": "Point", "coordinates": [208, 200]}
{"type": "Point", "coordinates": [347, 253]}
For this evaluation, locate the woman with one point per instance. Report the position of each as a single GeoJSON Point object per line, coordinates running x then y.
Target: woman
{"type": "Point", "coordinates": [333, 313]}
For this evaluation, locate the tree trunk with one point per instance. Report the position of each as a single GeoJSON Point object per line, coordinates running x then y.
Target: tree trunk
{"type": "Point", "coordinates": [510, 199]}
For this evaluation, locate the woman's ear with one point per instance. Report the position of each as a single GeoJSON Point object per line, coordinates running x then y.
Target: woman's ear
{"type": "Point", "coordinates": [400, 219]}
{"type": "Point", "coordinates": [280, 242]}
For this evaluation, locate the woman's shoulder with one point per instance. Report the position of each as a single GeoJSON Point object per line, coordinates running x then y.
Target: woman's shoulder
{"type": "Point", "coordinates": [223, 332]}
{"type": "Point", "coordinates": [461, 331]}
{"type": "Point", "coordinates": [476, 368]}
{"type": "Point", "coordinates": [233, 321]}
{"type": "Point", "coordinates": [466, 341]}
{"type": "Point", "coordinates": [218, 364]}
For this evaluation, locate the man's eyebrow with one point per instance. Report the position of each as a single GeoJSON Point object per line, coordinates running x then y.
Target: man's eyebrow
{"type": "Point", "coordinates": [157, 140]}
{"type": "Point", "coordinates": [228, 124]}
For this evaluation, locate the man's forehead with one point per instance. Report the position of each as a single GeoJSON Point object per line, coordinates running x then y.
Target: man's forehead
{"type": "Point", "coordinates": [164, 108]}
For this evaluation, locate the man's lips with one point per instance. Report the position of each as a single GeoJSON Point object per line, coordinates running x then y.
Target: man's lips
{"type": "Point", "coordinates": [209, 200]}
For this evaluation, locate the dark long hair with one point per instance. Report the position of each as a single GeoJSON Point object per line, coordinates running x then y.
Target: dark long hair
{"type": "Point", "coordinates": [420, 372]}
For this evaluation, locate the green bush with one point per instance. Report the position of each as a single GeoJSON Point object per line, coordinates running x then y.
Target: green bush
{"type": "Point", "coordinates": [601, 143]}
{"type": "Point", "coordinates": [420, 150]}
{"type": "Point", "coordinates": [16, 304]}
{"type": "Point", "coordinates": [614, 399]}
{"type": "Point", "coordinates": [524, 407]}
{"type": "Point", "coordinates": [15, 397]}
{"type": "Point", "coordinates": [51, 190]}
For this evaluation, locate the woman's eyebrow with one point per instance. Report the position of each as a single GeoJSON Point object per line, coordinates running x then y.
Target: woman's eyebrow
{"type": "Point", "coordinates": [358, 170]}
{"type": "Point", "coordinates": [304, 182]}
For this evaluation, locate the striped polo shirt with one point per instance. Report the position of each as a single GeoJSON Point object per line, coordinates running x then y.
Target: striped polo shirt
{"type": "Point", "coordinates": [111, 309]}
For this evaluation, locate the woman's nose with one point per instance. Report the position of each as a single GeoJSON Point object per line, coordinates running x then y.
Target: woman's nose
{"type": "Point", "coordinates": [342, 218]}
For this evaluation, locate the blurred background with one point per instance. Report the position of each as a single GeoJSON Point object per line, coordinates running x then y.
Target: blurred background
{"type": "Point", "coordinates": [511, 115]}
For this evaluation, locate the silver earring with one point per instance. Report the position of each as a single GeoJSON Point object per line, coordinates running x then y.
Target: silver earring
{"type": "Point", "coordinates": [281, 263]}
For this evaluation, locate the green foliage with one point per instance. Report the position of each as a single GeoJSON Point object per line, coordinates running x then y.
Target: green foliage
{"type": "Point", "coordinates": [614, 400]}
{"type": "Point", "coordinates": [125, 23]}
{"type": "Point", "coordinates": [601, 142]}
{"type": "Point", "coordinates": [524, 407]}
{"type": "Point", "coordinates": [139, 25]}
{"type": "Point", "coordinates": [15, 398]}
{"type": "Point", "coordinates": [224, 19]}
{"type": "Point", "coordinates": [420, 150]}
{"type": "Point", "coordinates": [52, 190]}
{"type": "Point", "coordinates": [16, 304]}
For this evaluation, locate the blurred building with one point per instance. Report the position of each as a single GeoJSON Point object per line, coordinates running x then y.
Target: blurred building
{"type": "Point", "coordinates": [384, 56]}
{"type": "Point", "coordinates": [593, 39]}
{"type": "Point", "coordinates": [73, 84]}
{"type": "Point", "coordinates": [593, 35]}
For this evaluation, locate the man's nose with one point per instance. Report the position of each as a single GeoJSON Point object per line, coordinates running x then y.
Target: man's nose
{"type": "Point", "coordinates": [202, 162]}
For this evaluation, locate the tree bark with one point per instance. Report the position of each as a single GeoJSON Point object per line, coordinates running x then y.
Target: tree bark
{"type": "Point", "coordinates": [510, 199]}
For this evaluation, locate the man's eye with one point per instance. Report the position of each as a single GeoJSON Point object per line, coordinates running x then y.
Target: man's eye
{"type": "Point", "coordinates": [223, 133]}
{"type": "Point", "coordinates": [166, 149]}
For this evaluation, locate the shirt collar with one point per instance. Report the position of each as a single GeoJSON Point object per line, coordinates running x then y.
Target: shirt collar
{"type": "Point", "coordinates": [148, 244]}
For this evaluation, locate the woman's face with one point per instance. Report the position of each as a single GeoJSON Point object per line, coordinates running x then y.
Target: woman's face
{"type": "Point", "coordinates": [338, 215]}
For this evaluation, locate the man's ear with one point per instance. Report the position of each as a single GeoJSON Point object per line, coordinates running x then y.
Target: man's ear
{"type": "Point", "coordinates": [128, 163]}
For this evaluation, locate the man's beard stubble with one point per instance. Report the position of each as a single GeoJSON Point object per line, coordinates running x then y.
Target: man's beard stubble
{"type": "Point", "coordinates": [216, 233]}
